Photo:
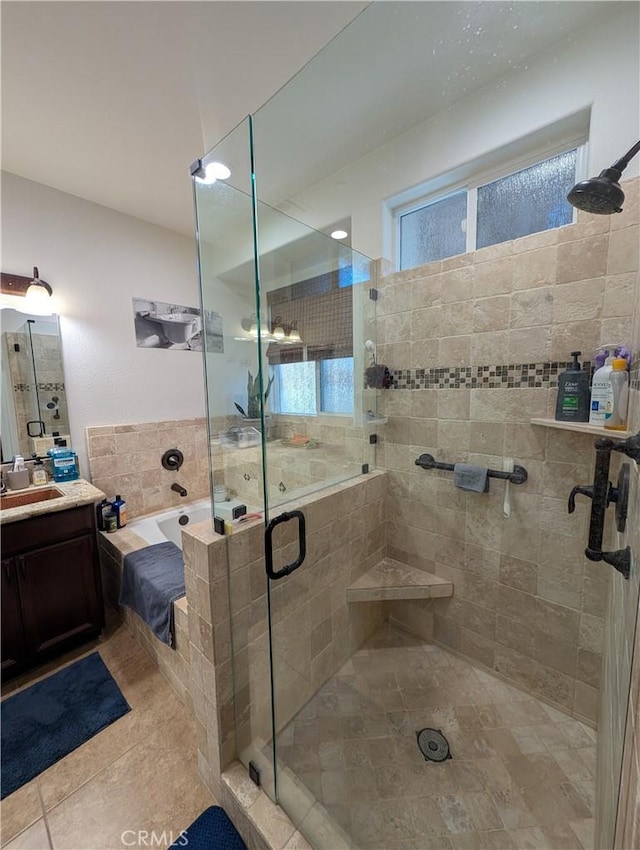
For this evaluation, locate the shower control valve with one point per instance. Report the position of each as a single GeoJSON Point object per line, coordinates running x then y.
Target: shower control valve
{"type": "Point", "coordinates": [579, 490]}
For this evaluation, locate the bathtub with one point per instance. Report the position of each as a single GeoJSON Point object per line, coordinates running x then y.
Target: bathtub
{"type": "Point", "coordinates": [159, 528]}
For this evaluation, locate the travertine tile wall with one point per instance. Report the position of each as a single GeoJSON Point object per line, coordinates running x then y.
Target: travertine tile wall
{"type": "Point", "coordinates": [315, 630]}
{"type": "Point", "coordinates": [126, 459]}
{"type": "Point", "coordinates": [527, 603]}
{"type": "Point", "coordinates": [342, 449]}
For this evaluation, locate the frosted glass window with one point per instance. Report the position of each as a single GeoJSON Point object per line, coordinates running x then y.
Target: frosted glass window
{"type": "Point", "coordinates": [528, 201]}
{"type": "Point", "coordinates": [336, 385]}
{"type": "Point", "coordinates": [433, 232]}
{"type": "Point", "coordinates": [296, 384]}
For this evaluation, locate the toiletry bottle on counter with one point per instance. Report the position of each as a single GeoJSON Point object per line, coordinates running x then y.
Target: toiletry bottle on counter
{"type": "Point", "coordinates": [572, 403]}
{"type": "Point", "coordinates": [64, 461]}
{"type": "Point", "coordinates": [601, 393]}
{"type": "Point", "coordinates": [101, 510]}
{"type": "Point", "coordinates": [619, 378]}
{"type": "Point", "coordinates": [39, 473]}
{"type": "Point", "coordinates": [119, 508]}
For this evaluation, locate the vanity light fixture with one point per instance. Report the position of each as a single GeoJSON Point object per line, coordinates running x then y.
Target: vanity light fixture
{"type": "Point", "coordinates": [278, 331]}
{"type": "Point", "coordinates": [339, 234]}
{"type": "Point", "coordinates": [28, 295]}
{"type": "Point", "coordinates": [38, 297]}
{"type": "Point", "coordinates": [294, 333]}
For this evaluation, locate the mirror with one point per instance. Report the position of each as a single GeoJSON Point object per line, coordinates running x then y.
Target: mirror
{"type": "Point", "coordinates": [34, 399]}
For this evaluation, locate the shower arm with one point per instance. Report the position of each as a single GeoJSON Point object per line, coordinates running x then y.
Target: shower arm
{"type": "Point", "coordinates": [621, 164]}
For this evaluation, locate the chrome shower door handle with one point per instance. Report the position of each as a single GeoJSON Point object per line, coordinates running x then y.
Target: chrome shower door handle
{"type": "Point", "coordinates": [268, 544]}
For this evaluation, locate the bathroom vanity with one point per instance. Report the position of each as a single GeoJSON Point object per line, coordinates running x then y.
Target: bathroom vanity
{"type": "Point", "coordinates": [50, 575]}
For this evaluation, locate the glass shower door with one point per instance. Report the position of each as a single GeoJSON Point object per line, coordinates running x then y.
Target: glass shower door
{"type": "Point", "coordinates": [317, 303]}
{"type": "Point", "coordinates": [289, 339]}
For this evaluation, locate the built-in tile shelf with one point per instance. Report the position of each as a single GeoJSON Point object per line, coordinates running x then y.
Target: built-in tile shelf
{"type": "Point", "coordinates": [582, 428]}
{"type": "Point", "coordinates": [392, 580]}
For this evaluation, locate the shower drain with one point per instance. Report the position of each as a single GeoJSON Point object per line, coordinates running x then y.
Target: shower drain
{"type": "Point", "coordinates": [433, 745]}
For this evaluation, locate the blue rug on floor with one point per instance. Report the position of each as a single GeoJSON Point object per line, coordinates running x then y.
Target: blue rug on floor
{"type": "Point", "coordinates": [45, 722]}
{"type": "Point", "coordinates": [211, 831]}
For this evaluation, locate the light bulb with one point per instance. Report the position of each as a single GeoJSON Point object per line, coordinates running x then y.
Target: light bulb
{"type": "Point", "coordinates": [294, 334]}
{"type": "Point", "coordinates": [38, 301]}
{"type": "Point", "coordinates": [339, 234]}
{"type": "Point", "coordinates": [214, 171]}
{"type": "Point", "coordinates": [278, 330]}
{"type": "Point", "coordinates": [218, 170]}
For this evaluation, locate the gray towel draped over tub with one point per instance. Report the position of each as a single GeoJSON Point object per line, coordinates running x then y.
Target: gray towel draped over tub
{"type": "Point", "coordinates": [152, 580]}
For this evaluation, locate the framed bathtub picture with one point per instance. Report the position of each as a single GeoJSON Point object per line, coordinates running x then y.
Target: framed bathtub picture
{"type": "Point", "coordinates": [160, 324]}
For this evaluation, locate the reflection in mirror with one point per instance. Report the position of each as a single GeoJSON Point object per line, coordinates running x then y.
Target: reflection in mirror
{"type": "Point", "coordinates": [34, 400]}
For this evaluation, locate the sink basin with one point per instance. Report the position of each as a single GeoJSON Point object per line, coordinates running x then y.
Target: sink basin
{"type": "Point", "coordinates": [29, 497]}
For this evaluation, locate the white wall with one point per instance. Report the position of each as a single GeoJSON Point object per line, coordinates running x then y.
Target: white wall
{"type": "Point", "coordinates": [597, 69]}
{"type": "Point", "coordinates": [96, 260]}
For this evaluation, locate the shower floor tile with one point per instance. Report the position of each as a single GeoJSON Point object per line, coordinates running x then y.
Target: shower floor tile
{"type": "Point", "coordinates": [521, 774]}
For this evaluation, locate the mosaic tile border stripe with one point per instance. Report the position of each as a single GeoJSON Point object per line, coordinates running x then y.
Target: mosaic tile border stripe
{"type": "Point", "coordinates": [512, 376]}
{"type": "Point", "coordinates": [27, 388]}
{"type": "Point", "coordinates": [634, 377]}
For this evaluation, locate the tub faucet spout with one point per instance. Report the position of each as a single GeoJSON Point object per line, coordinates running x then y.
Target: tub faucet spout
{"type": "Point", "coordinates": [177, 488]}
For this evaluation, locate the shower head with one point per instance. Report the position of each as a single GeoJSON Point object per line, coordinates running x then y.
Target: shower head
{"type": "Point", "coordinates": [602, 195]}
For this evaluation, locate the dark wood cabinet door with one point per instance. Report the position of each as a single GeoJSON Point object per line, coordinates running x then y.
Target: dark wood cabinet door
{"type": "Point", "coordinates": [13, 641]}
{"type": "Point", "coordinates": [60, 593]}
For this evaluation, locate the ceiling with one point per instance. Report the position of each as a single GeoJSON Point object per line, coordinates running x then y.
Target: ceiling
{"type": "Point", "coordinates": [111, 101]}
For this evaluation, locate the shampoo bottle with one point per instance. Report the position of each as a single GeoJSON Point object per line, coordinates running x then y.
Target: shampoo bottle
{"type": "Point", "coordinates": [572, 403]}
{"type": "Point", "coordinates": [119, 508]}
{"type": "Point", "coordinates": [101, 511]}
{"type": "Point", "coordinates": [619, 378]}
{"type": "Point", "coordinates": [601, 391]}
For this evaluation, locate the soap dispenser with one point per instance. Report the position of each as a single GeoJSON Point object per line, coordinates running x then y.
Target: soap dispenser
{"type": "Point", "coordinates": [39, 473]}
{"type": "Point", "coordinates": [572, 403]}
{"type": "Point", "coordinates": [601, 391]}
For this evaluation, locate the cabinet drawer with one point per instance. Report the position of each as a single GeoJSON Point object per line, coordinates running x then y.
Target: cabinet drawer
{"type": "Point", "coordinates": [38, 531]}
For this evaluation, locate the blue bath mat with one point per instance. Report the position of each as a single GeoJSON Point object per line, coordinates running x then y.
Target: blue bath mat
{"type": "Point", "coordinates": [47, 721]}
{"type": "Point", "coordinates": [211, 831]}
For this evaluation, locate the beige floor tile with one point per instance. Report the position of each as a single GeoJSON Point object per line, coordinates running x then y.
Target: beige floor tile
{"type": "Point", "coordinates": [136, 675]}
{"type": "Point", "coordinates": [150, 788]}
{"type": "Point", "coordinates": [19, 810]}
{"type": "Point", "coordinates": [584, 829]}
{"type": "Point", "coordinates": [513, 810]}
{"type": "Point", "coordinates": [501, 786]}
{"type": "Point", "coordinates": [561, 835]}
{"type": "Point", "coordinates": [33, 838]}
{"type": "Point", "coordinates": [531, 838]}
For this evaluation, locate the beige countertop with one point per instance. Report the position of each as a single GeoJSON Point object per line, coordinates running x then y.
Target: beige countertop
{"type": "Point", "coordinates": [75, 494]}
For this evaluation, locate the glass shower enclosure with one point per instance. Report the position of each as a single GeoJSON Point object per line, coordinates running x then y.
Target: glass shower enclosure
{"type": "Point", "coordinates": [291, 378]}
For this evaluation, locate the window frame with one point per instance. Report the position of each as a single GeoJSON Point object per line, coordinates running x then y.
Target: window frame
{"type": "Point", "coordinates": [479, 178]}
{"type": "Point", "coordinates": [275, 371]}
